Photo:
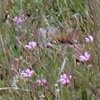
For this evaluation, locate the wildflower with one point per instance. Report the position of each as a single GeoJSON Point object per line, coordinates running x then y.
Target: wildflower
{"type": "Point", "coordinates": [18, 19]}
{"type": "Point", "coordinates": [41, 82]}
{"type": "Point", "coordinates": [65, 79]}
{"type": "Point", "coordinates": [26, 73]}
{"type": "Point", "coordinates": [85, 57]}
{"type": "Point", "coordinates": [89, 38]}
{"type": "Point", "coordinates": [31, 45]}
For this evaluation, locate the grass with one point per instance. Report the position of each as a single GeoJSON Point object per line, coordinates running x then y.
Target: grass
{"type": "Point", "coordinates": [47, 63]}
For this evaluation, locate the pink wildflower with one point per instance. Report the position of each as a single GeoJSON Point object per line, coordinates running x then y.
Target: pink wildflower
{"type": "Point", "coordinates": [85, 57]}
{"type": "Point", "coordinates": [41, 82]}
{"type": "Point", "coordinates": [18, 19]}
{"type": "Point", "coordinates": [65, 79]}
{"type": "Point", "coordinates": [89, 38]}
{"type": "Point", "coordinates": [26, 73]}
{"type": "Point", "coordinates": [31, 45]}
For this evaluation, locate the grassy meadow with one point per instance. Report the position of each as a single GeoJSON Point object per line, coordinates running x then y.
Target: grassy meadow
{"type": "Point", "coordinates": [49, 50]}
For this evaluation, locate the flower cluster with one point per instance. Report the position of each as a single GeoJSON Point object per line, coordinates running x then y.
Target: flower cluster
{"type": "Point", "coordinates": [89, 38]}
{"type": "Point", "coordinates": [27, 73]}
{"type": "Point", "coordinates": [65, 79]}
{"type": "Point", "coordinates": [41, 82]}
{"type": "Point", "coordinates": [84, 57]}
{"type": "Point", "coordinates": [18, 19]}
{"type": "Point", "coordinates": [31, 45]}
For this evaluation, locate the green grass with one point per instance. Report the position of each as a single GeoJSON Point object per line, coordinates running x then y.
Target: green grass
{"type": "Point", "coordinates": [85, 83]}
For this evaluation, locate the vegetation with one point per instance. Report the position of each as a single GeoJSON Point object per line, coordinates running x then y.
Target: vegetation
{"type": "Point", "coordinates": [49, 50]}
